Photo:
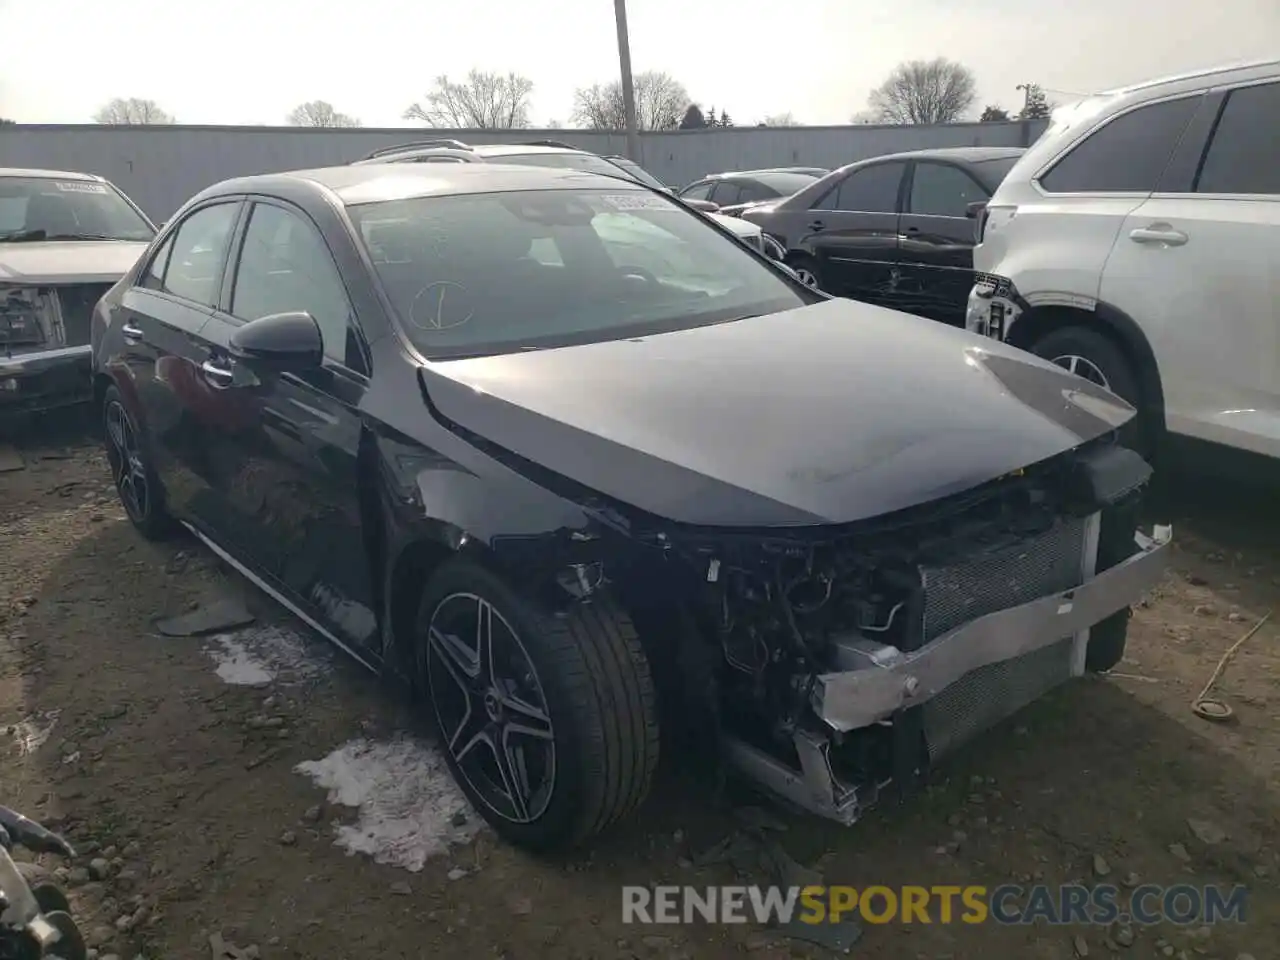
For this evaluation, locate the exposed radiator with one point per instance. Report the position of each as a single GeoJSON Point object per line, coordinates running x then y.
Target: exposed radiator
{"type": "Point", "coordinates": [1050, 563]}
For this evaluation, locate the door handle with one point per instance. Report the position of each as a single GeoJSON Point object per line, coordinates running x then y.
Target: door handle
{"type": "Point", "coordinates": [816, 226]}
{"type": "Point", "coordinates": [1157, 234]}
{"type": "Point", "coordinates": [131, 333]}
{"type": "Point", "coordinates": [217, 374]}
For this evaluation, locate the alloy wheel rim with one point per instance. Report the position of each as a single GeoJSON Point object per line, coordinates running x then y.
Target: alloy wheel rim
{"type": "Point", "coordinates": [806, 277]}
{"type": "Point", "coordinates": [128, 469]}
{"type": "Point", "coordinates": [490, 707]}
{"type": "Point", "coordinates": [1083, 367]}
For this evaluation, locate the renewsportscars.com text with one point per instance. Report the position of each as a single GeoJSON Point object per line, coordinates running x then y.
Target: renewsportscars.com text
{"type": "Point", "coordinates": [1006, 904]}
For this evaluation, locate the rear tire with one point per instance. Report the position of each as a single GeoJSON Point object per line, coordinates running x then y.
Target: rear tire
{"type": "Point", "coordinates": [136, 482]}
{"type": "Point", "coordinates": [1097, 358]}
{"type": "Point", "coordinates": [587, 667]}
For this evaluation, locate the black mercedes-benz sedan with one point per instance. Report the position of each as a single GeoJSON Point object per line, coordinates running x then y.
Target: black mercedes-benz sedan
{"type": "Point", "coordinates": [556, 450]}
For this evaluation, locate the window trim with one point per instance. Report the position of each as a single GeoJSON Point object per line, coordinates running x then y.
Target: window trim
{"type": "Point", "coordinates": [911, 183]}
{"type": "Point", "coordinates": [898, 201]}
{"type": "Point", "coordinates": [231, 275]}
{"type": "Point", "coordinates": [170, 232]}
{"type": "Point", "coordinates": [1048, 165]}
{"type": "Point", "coordinates": [1224, 92]}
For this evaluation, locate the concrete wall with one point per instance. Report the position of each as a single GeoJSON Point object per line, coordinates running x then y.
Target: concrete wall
{"type": "Point", "coordinates": [161, 166]}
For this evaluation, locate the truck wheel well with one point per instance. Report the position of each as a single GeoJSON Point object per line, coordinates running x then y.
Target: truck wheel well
{"type": "Point", "coordinates": [1120, 329]}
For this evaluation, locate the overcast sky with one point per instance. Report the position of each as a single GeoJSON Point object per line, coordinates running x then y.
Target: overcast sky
{"type": "Point", "coordinates": [251, 61]}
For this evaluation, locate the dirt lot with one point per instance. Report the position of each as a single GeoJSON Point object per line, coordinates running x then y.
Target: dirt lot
{"type": "Point", "coordinates": [171, 763]}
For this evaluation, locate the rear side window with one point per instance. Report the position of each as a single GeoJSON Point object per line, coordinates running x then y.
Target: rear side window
{"type": "Point", "coordinates": [941, 190]}
{"type": "Point", "coordinates": [699, 191]}
{"type": "Point", "coordinates": [1244, 155]}
{"type": "Point", "coordinates": [1125, 156]}
{"type": "Point", "coordinates": [726, 193]}
{"type": "Point", "coordinates": [199, 247]}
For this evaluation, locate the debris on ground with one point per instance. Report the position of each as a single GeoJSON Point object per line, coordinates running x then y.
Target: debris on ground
{"type": "Point", "coordinates": [11, 460]}
{"type": "Point", "coordinates": [221, 950]}
{"type": "Point", "coordinates": [216, 617]}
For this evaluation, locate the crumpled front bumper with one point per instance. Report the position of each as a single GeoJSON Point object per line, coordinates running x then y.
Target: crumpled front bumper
{"type": "Point", "coordinates": [42, 379]}
{"type": "Point", "coordinates": [878, 680]}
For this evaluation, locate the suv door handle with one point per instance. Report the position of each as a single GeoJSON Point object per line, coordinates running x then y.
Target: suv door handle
{"type": "Point", "coordinates": [816, 226]}
{"type": "Point", "coordinates": [217, 374]}
{"type": "Point", "coordinates": [1155, 234]}
{"type": "Point", "coordinates": [130, 332]}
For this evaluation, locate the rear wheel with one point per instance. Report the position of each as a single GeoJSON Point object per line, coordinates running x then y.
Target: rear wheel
{"type": "Point", "coordinates": [128, 454]}
{"type": "Point", "coordinates": [1096, 357]}
{"type": "Point", "coordinates": [548, 721]}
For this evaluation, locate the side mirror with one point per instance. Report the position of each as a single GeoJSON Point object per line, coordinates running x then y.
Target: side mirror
{"type": "Point", "coordinates": [281, 343]}
{"type": "Point", "coordinates": [974, 210]}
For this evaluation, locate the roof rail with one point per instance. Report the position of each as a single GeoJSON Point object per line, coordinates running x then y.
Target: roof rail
{"type": "Point", "coordinates": [548, 143]}
{"type": "Point", "coordinates": [417, 144]}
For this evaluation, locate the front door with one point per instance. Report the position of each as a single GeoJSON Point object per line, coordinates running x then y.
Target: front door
{"type": "Point", "coordinates": [936, 252]}
{"type": "Point", "coordinates": [162, 319]}
{"type": "Point", "coordinates": [294, 492]}
{"type": "Point", "coordinates": [853, 233]}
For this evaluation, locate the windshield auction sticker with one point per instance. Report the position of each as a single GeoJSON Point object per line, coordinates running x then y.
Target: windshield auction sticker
{"type": "Point", "coordinates": [636, 201]}
{"type": "Point", "coordinates": [80, 187]}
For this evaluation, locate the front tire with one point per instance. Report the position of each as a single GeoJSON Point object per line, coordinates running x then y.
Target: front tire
{"type": "Point", "coordinates": [1096, 357]}
{"type": "Point", "coordinates": [806, 269]}
{"type": "Point", "coordinates": [136, 482]}
{"type": "Point", "coordinates": [549, 722]}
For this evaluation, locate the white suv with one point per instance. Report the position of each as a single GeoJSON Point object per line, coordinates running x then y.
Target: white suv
{"type": "Point", "coordinates": [1137, 242]}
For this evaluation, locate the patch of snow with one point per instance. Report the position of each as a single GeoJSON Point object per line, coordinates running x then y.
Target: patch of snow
{"type": "Point", "coordinates": [31, 733]}
{"type": "Point", "coordinates": [406, 799]}
{"type": "Point", "coordinates": [257, 655]}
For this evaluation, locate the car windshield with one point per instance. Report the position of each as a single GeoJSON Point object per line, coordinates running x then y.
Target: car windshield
{"type": "Point", "coordinates": [495, 273]}
{"type": "Point", "coordinates": [41, 208]}
{"type": "Point", "coordinates": [637, 172]}
{"type": "Point", "coordinates": [993, 172]}
{"type": "Point", "coordinates": [785, 183]}
{"type": "Point", "coordinates": [588, 162]}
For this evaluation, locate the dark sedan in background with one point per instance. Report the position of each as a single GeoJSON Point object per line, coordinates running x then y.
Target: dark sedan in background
{"type": "Point", "coordinates": [896, 230]}
{"type": "Point", "coordinates": [734, 192]}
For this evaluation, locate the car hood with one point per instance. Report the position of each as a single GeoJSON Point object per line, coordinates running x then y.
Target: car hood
{"type": "Point", "coordinates": [68, 261]}
{"type": "Point", "coordinates": [830, 413]}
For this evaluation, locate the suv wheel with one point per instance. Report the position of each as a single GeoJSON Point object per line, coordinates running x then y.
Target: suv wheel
{"type": "Point", "coordinates": [1095, 357]}
{"type": "Point", "coordinates": [548, 721]}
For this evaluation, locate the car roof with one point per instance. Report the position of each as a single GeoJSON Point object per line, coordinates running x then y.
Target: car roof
{"type": "Point", "coordinates": [372, 183]}
{"type": "Point", "coordinates": [50, 174]}
{"type": "Point", "coordinates": [1204, 73]}
{"type": "Point", "coordinates": [963, 154]}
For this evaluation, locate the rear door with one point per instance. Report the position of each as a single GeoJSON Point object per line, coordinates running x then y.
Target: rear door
{"type": "Point", "coordinates": [852, 233]}
{"type": "Point", "coordinates": [162, 317]}
{"type": "Point", "coordinates": [1196, 265]}
{"type": "Point", "coordinates": [935, 255]}
{"type": "Point", "coordinates": [291, 490]}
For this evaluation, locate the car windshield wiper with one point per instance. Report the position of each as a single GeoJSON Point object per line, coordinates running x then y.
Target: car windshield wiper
{"type": "Point", "coordinates": [34, 236]}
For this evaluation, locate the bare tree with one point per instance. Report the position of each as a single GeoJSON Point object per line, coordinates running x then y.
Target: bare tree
{"type": "Point", "coordinates": [320, 113]}
{"type": "Point", "coordinates": [484, 101]}
{"type": "Point", "coordinates": [132, 110]}
{"type": "Point", "coordinates": [661, 103]}
{"type": "Point", "coordinates": [781, 120]}
{"type": "Point", "coordinates": [992, 113]}
{"type": "Point", "coordinates": [925, 91]}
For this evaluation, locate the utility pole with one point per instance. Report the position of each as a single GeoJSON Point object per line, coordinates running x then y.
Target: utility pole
{"type": "Point", "coordinates": [628, 89]}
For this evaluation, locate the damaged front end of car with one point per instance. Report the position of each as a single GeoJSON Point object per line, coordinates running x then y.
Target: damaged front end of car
{"type": "Point", "coordinates": [832, 662]}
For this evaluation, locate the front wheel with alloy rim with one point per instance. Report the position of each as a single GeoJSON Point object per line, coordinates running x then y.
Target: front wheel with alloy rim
{"type": "Point", "coordinates": [134, 477]}
{"type": "Point", "coordinates": [806, 269]}
{"type": "Point", "coordinates": [1097, 358]}
{"type": "Point", "coordinates": [548, 720]}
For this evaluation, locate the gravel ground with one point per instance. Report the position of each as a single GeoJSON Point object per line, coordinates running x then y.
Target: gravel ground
{"type": "Point", "coordinates": [255, 788]}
